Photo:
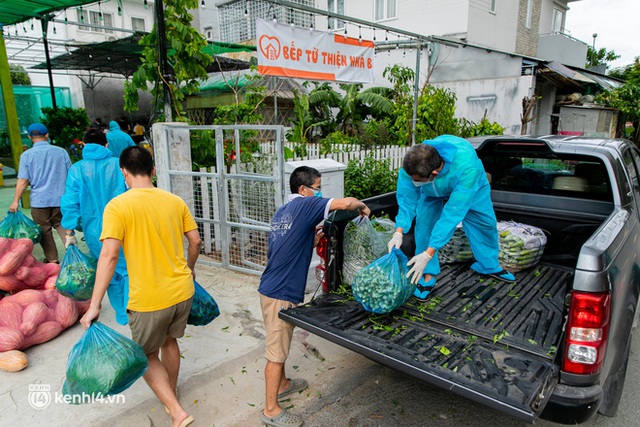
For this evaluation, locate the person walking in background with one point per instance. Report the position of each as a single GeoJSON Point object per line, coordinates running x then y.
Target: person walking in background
{"type": "Point", "coordinates": [91, 184]}
{"type": "Point", "coordinates": [291, 241]}
{"type": "Point", "coordinates": [138, 132]}
{"type": "Point", "coordinates": [442, 183]}
{"type": "Point", "coordinates": [44, 167]}
{"type": "Point", "coordinates": [149, 224]}
{"type": "Point", "coordinates": [117, 139]}
{"type": "Point", "coordinates": [138, 129]}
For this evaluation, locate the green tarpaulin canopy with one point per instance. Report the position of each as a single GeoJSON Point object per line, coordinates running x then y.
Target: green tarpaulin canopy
{"type": "Point", "coordinates": [123, 56]}
{"type": "Point", "coordinates": [15, 11]}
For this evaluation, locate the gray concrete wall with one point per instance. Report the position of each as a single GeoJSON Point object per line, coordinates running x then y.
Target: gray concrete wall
{"type": "Point", "coordinates": [106, 101]}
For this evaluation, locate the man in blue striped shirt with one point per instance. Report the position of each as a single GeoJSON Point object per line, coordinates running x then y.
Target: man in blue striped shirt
{"type": "Point", "coordinates": [45, 167]}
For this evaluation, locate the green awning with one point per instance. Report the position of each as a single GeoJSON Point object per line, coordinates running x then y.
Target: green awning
{"type": "Point", "coordinates": [222, 83]}
{"type": "Point", "coordinates": [123, 56]}
{"type": "Point", "coordinates": [218, 48]}
{"type": "Point", "coordinates": [15, 11]}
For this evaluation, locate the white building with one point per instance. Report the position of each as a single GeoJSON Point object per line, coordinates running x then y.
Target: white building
{"type": "Point", "coordinates": [489, 52]}
{"type": "Point", "coordinates": [100, 93]}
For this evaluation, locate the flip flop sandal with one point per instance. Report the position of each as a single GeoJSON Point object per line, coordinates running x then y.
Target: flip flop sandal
{"type": "Point", "coordinates": [187, 421]}
{"type": "Point", "coordinates": [284, 419]}
{"type": "Point", "coordinates": [423, 289]}
{"type": "Point", "coordinates": [503, 276]}
{"type": "Point", "coordinates": [296, 385]}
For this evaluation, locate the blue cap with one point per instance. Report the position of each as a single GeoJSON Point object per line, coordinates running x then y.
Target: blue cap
{"type": "Point", "coordinates": [37, 129]}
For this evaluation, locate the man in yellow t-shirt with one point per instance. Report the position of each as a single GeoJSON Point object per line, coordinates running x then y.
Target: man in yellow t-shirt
{"type": "Point", "coordinates": [149, 224]}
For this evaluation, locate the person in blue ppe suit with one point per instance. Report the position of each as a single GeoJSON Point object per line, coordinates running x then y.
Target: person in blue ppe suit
{"type": "Point", "coordinates": [91, 184]}
{"type": "Point", "coordinates": [442, 183]}
{"type": "Point", "coordinates": [117, 139]}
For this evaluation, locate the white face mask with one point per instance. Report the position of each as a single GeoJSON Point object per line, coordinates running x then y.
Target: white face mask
{"type": "Point", "coordinates": [419, 183]}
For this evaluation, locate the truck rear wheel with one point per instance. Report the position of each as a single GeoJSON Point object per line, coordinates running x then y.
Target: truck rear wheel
{"type": "Point", "coordinates": [614, 386]}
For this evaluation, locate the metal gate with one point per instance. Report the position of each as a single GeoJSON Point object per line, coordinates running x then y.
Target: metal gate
{"type": "Point", "coordinates": [233, 200]}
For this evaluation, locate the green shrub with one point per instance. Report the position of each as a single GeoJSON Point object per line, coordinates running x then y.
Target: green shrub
{"type": "Point", "coordinates": [369, 177]}
{"type": "Point", "coordinates": [375, 133]}
{"type": "Point", "coordinates": [65, 124]}
{"type": "Point", "coordinates": [336, 138]}
{"type": "Point", "coordinates": [469, 128]}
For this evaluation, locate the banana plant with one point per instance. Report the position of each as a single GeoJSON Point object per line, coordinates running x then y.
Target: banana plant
{"type": "Point", "coordinates": [303, 120]}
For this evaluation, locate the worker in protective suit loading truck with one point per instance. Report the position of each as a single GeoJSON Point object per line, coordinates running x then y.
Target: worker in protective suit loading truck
{"type": "Point", "coordinates": [442, 183]}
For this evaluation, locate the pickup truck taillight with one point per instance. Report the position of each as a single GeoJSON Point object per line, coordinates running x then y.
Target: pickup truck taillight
{"type": "Point", "coordinates": [321, 269]}
{"type": "Point", "coordinates": [587, 331]}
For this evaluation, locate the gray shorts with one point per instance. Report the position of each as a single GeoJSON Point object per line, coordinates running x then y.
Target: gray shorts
{"type": "Point", "coordinates": [150, 329]}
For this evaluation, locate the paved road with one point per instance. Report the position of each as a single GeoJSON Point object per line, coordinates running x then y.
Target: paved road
{"type": "Point", "coordinates": [366, 394]}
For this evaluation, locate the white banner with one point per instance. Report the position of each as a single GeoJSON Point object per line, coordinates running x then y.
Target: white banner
{"type": "Point", "coordinates": [313, 55]}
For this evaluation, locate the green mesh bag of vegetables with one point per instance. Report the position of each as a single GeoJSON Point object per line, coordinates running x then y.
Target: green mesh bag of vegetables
{"type": "Point", "coordinates": [365, 240]}
{"type": "Point", "coordinates": [77, 275]}
{"type": "Point", "coordinates": [17, 225]}
{"type": "Point", "coordinates": [102, 363]}
{"type": "Point", "coordinates": [204, 308]}
{"type": "Point", "coordinates": [383, 286]}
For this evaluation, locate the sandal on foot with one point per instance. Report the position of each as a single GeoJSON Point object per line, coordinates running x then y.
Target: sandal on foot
{"type": "Point", "coordinates": [187, 421]}
{"type": "Point", "coordinates": [296, 385]}
{"type": "Point", "coordinates": [284, 419]}
{"type": "Point", "coordinates": [503, 276]}
{"type": "Point", "coordinates": [423, 289]}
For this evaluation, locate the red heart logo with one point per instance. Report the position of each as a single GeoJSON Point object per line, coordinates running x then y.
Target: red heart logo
{"type": "Point", "coordinates": [270, 47]}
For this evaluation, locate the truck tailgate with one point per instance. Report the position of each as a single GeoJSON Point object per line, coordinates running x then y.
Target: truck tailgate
{"type": "Point", "coordinates": [489, 341]}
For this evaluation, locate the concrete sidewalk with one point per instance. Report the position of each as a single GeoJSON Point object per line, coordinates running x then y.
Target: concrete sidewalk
{"type": "Point", "coordinates": [221, 378]}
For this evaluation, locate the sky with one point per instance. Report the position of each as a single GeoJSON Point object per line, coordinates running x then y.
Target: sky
{"type": "Point", "coordinates": [617, 23]}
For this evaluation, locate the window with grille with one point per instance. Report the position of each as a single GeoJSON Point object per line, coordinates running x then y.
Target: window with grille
{"type": "Point", "coordinates": [385, 9]}
{"type": "Point", "coordinates": [335, 6]}
{"type": "Point", "coordinates": [98, 19]}
{"type": "Point", "coordinates": [208, 33]}
{"type": "Point", "coordinates": [238, 19]}
{"type": "Point", "coordinates": [137, 24]}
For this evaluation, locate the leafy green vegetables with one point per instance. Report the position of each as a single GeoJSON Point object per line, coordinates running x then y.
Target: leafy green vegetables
{"type": "Point", "coordinates": [521, 245]}
{"type": "Point", "coordinates": [18, 226]}
{"type": "Point", "coordinates": [77, 275]}
{"type": "Point", "coordinates": [364, 241]}
{"type": "Point", "coordinates": [457, 250]}
{"type": "Point", "coordinates": [102, 363]}
{"type": "Point", "coordinates": [204, 308]}
{"type": "Point", "coordinates": [382, 286]}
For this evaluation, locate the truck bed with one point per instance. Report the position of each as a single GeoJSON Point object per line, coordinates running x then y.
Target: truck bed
{"type": "Point", "coordinates": [483, 339]}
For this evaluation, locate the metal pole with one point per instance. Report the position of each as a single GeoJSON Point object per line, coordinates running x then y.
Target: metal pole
{"type": "Point", "coordinates": [593, 50]}
{"type": "Point", "coordinates": [162, 59]}
{"type": "Point", "coordinates": [13, 125]}
{"type": "Point", "coordinates": [44, 21]}
{"type": "Point", "coordinates": [416, 90]}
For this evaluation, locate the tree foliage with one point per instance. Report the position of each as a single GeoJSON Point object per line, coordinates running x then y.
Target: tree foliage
{"type": "Point", "coordinates": [401, 78]}
{"type": "Point", "coordinates": [600, 56]}
{"type": "Point", "coordinates": [625, 99]}
{"type": "Point", "coordinates": [185, 57]}
{"type": "Point", "coordinates": [65, 124]}
{"type": "Point", "coordinates": [369, 177]}
{"type": "Point", "coordinates": [353, 106]}
{"type": "Point", "coordinates": [630, 72]}
{"type": "Point", "coordinates": [19, 76]}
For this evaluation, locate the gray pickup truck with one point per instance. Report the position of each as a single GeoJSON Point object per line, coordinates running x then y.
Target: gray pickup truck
{"type": "Point", "coordinates": [555, 344]}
